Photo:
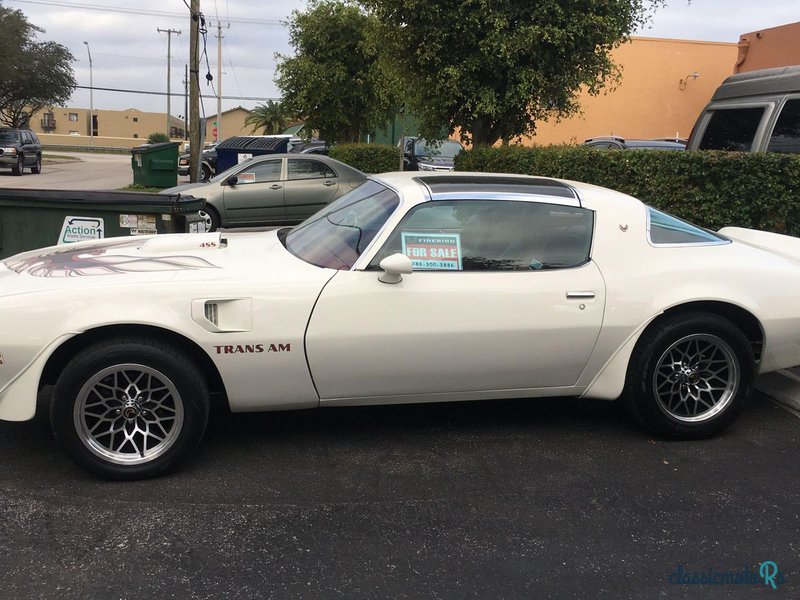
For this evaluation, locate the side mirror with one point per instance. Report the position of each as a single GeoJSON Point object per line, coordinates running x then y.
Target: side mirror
{"type": "Point", "coordinates": [394, 267]}
{"type": "Point", "coordinates": [232, 180]}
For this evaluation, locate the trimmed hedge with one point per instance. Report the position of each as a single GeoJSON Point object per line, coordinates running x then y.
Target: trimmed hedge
{"type": "Point", "coordinates": [369, 158]}
{"type": "Point", "coordinates": [711, 189]}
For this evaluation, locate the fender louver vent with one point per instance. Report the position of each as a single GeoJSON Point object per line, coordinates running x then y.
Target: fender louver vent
{"type": "Point", "coordinates": [212, 312]}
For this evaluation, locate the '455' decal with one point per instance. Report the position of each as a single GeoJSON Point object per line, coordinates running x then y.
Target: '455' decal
{"type": "Point", "coordinates": [252, 348]}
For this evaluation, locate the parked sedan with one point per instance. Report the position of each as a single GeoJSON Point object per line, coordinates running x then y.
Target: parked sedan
{"type": "Point", "coordinates": [274, 188]}
{"type": "Point", "coordinates": [618, 143]}
{"type": "Point", "coordinates": [411, 288]}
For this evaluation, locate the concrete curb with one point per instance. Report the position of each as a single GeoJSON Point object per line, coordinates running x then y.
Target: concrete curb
{"type": "Point", "coordinates": [783, 386]}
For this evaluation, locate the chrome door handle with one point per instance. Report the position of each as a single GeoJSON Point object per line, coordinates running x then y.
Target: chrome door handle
{"type": "Point", "coordinates": [275, 186]}
{"type": "Point", "coordinates": [329, 183]}
{"type": "Point", "coordinates": [580, 295]}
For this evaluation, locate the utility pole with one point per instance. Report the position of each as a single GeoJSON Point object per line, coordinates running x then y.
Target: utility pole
{"type": "Point", "coordinates": [91, 98]}
{"type": "Point", "coordinates": [169, 33]}
{"type": "Point", "coordinates": [219, 79]}
{"type": "Point", "coordinates": [195, 143]}
{"type": "Point", "coordinates": [186, 102]}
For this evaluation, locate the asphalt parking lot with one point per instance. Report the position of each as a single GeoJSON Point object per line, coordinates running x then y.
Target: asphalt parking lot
{"type": "Point", "coordinates": [546, 498]}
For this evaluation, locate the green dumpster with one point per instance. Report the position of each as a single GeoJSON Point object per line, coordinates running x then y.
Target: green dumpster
{"type": "Point", "coordinates": [32, 219]}
{"type": "Point", "coordinates": [155, 165]}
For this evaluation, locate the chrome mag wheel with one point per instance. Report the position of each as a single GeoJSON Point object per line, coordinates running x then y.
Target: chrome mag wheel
{"type": "Point", "coordinates": [128, 414]}
{"type": "Point", "coordinates": [696, 378]}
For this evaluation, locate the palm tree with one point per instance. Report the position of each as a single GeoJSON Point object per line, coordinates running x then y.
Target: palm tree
{"type": "Point", "coordinates": [269, 117]}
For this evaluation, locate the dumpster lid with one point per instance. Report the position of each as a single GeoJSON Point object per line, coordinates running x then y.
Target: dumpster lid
{"type": "Point", "coordinates": [152, 147]}
{"type": "Point", "coordinates": [254, 142]}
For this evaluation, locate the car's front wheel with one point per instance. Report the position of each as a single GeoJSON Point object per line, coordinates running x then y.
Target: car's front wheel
{"type": "Point", "coordinates": [129, 408]}
{"type": "Point", "coordinates": [16, 169]}
{"type": "Point", "coordinates": [210, 215]}
{"type": "Point", "coordinates": [690, 376]}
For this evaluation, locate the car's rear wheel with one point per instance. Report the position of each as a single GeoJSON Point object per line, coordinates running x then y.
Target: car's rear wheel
{"type": "Point", "coordinates": [17, 168]}
{"type": "Point", "coordinates": [130, 408]}
{"type": "Point", "coordinates": [37, 168]}
{"type": "Point", "coordinates": [690, 376]}
{"type": "Point", "coordinates": [205, 173]}
{"type": "Point", "coordinates": [211, 217]}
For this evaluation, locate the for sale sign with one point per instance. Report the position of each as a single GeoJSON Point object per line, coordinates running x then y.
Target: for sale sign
{"type": "Point", "coordinates": [440, 251]}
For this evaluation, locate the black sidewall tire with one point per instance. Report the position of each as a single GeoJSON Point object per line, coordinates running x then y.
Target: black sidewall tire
{"type": "Point", "coordinates": [213, 216]}
{"type": "Point", "coordinates": [37, 168]}
{"type": "Point", "coordinates": [639, 395]}
{"type": "Point", "coordinates": [19, 167]}
{"type": "Point", "coordinates": [205, 173]}
{"type": "Point", "coordinates": [178, 368]}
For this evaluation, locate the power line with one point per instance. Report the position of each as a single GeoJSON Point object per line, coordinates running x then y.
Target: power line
{"type": "Point", "coordinates": [149, 93]}
{"type": "Point", "coordinates": [137, 11]}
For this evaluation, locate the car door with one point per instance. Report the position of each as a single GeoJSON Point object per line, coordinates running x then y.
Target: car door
{"type": "Point", "coordinates": [503, 298]}
{"type": "Point", "coordinates": [257, 194]}
{"type": "Point", "coordinates": [310, 185]}
{"type": "Point", "coordinates": [28, 148]}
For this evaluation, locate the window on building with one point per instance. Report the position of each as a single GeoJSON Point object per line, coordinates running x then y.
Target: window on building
{"type": "Point", "coordinates": [135, 119]}
{"type": "Point", "coordinates": [786, 135]}
{"type": "Point", "coordinates": [73, 117]}
{"type": "Point", "coordinates": [135, 135]}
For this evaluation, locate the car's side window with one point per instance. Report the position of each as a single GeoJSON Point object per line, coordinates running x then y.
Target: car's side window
{"type": "Point", "coordinates": [493, 235]}
{"type": "Point", "coordinates": [308, 169]}
{"type": "Point", "coordinates": [786, 135]}
{"type": "Point", "coordinates": [732, 129]}
{"type": "Point", "coordinates": [262, 172]}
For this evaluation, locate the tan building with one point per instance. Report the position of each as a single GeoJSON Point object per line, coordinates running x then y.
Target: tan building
{"type": "Point", "coordinates": [773, 47]}
{"type": "Point", "coordinates": [664, 86]}
{"type": "Point", "coordinates": [112, 128]}
{"type": "Point", "coordinates": [232, 124]}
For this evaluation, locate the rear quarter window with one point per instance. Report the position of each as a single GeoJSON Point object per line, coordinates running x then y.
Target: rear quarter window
{"type": "Point", "coordinates": [665, 230]}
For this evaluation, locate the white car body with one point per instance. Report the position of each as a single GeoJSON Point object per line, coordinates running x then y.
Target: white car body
{"type": "Point", "coordinates": [288, 334]}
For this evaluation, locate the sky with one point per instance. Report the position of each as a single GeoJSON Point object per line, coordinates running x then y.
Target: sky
{"type": "Point", "coordinates": [128, 53]}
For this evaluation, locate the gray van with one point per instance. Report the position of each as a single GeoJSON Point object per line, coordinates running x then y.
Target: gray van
{"type": "Point", "coordinates": [758, 111]}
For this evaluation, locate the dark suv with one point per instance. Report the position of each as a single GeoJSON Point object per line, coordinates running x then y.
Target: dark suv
{"type": "Point", "coordinates": [419, 155]}
{"type": "Point", "coordinates": [20, 148]}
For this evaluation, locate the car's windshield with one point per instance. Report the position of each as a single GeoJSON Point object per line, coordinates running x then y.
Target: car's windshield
{"type": "Point", "coordinates": [9, 136]}
{"type": "Point", "coordinates": [447, 149]}
{"type": "Point", "coordinates": [337, 235]}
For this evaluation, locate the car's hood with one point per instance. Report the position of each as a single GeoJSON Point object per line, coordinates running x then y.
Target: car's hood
{"type": "Point", "coordinates": [183, 188]}
{"type": "Point", "coordinates": [436, 162]}
{"type": "Point", "coordinates": [137, 261]}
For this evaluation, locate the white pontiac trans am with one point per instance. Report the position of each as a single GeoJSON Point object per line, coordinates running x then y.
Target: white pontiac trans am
{"type": "Point", "coordinates": [411, 288]}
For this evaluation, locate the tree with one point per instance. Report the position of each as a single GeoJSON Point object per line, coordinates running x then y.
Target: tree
{"type": "Point", "coordinates": [270, 118]}
{"type": "Point", "coordinates": [492, 68]}
{"type": "Point", "coordinates": [157, 137]}
{"type": "Point", "coordinates": [33, 74]}
{"type": "Point", "coordinates": [334, 81]}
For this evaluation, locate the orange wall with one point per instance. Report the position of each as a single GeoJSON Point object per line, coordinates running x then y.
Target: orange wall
{"type": "Point", "coordinates": [649, 101]}
{"type": "Point", "coordinates": [773, 47]}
